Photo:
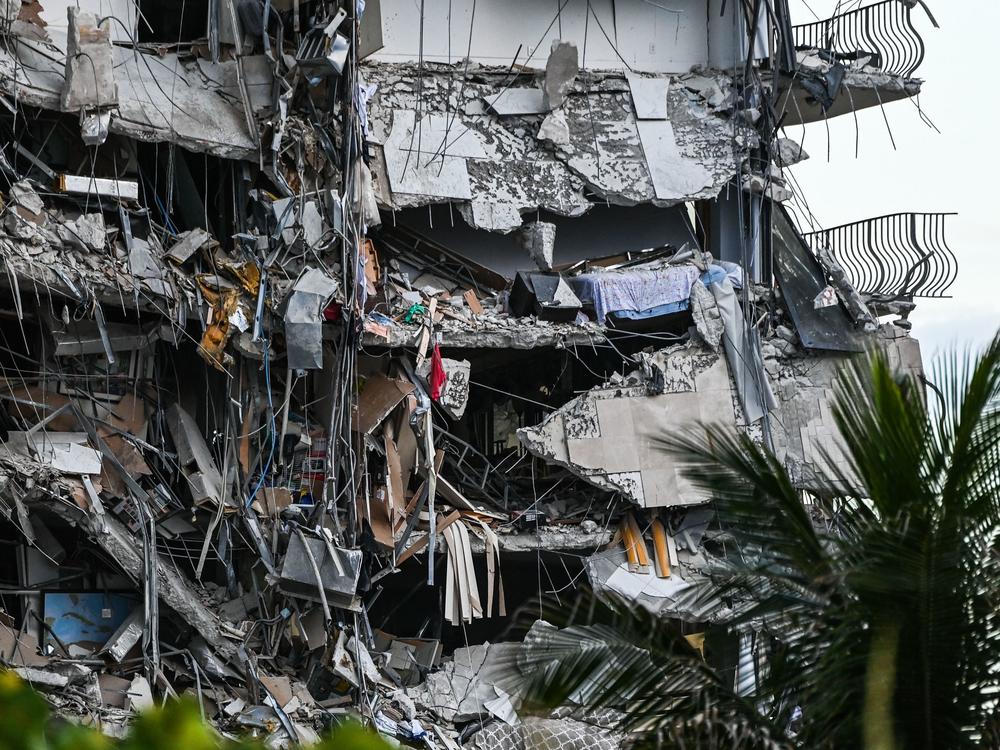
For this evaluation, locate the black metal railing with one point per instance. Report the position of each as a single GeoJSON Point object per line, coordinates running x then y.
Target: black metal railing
{"type": "Point", "coordinates": [884, 31]}
{"type": "Point", "coordinates": [899, 255]}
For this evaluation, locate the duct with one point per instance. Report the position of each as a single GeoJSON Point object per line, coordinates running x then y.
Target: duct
{"type": "Point", "coordinates": [125, 637]}
{"type": "Point", "coordinates": [339, 570]}
{"type": "Point", "coordinates": [323, 51]}
{"type": "Point", "coordinates": [308, 299]}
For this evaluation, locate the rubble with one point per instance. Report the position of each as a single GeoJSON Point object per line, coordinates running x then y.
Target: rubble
{"type": "Point", "coordinates": [322, 356]}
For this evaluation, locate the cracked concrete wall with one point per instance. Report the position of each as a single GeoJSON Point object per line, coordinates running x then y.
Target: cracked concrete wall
{"type": "Point", "coordinates": [497, 167]}
{"type": "Point", "coordinates": [806, 438]}
{"type": "Point", "coordinates": [610, 435]}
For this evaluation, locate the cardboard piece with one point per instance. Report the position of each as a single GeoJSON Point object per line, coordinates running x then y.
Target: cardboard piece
{"type": "Point", "coordinates": [473, 302]}
{"type": "Point", "coordinates": [379, 396]}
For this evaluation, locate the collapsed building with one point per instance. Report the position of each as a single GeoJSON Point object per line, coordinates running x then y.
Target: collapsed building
{"type": "Point", "coordinates": [332, 333]}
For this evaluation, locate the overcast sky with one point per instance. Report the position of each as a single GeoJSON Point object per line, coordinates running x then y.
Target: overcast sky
{"type": "Point", "coordinates": [950, 171]}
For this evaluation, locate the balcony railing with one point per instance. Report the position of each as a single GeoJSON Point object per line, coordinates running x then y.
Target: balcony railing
{"type": "Point", "coordinates": [883, 31]}
{"type": "Point", "coordinates": [899, 255]}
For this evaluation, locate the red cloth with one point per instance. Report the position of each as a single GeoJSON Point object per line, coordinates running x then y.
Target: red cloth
{"type": "Point", "coordinates": [438, 375]}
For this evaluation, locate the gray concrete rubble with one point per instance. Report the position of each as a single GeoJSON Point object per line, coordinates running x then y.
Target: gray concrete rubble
{"type": "Point", "coordinates": [498, 167]}
{"type": "Point", "coordinates": [539, 240]}
{"type": "Point", "coordinates": [335, 336]}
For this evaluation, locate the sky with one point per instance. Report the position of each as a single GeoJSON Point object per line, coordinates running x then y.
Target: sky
{"type": "Point", "coordinates": [928, 171]}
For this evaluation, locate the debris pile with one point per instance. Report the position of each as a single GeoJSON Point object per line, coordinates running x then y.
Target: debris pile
{"type": "Point", "coordinates": [320, 359]}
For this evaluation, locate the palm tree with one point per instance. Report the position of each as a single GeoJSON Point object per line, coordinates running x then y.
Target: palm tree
{"type": "Point", "coordinates": [878, 598]}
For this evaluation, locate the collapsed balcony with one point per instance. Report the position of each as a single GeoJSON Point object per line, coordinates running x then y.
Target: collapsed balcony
{"type": "Point", "coordinates": [882, 32]}
{"type": "Point", "coordinates": [865, 57]}
{"type": "Point", "coordinates": [893, 257]}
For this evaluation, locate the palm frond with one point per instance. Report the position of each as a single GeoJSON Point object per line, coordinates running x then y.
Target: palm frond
{"type": "Point", "coordinates": [880, 595]}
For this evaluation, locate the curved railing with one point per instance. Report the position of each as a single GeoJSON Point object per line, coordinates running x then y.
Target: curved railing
{"type": "Point", "coordinates": [899, 255]}
{"type": "Point", "coordinates": [884, 30]}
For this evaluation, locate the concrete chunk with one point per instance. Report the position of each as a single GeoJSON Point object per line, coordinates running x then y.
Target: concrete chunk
{"type": "Point", "coordinates": [539, 239]}
{"type": "Point", "coordinates": [560, 70]}
{"type": "Point", "coordinates": [90, 79]}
